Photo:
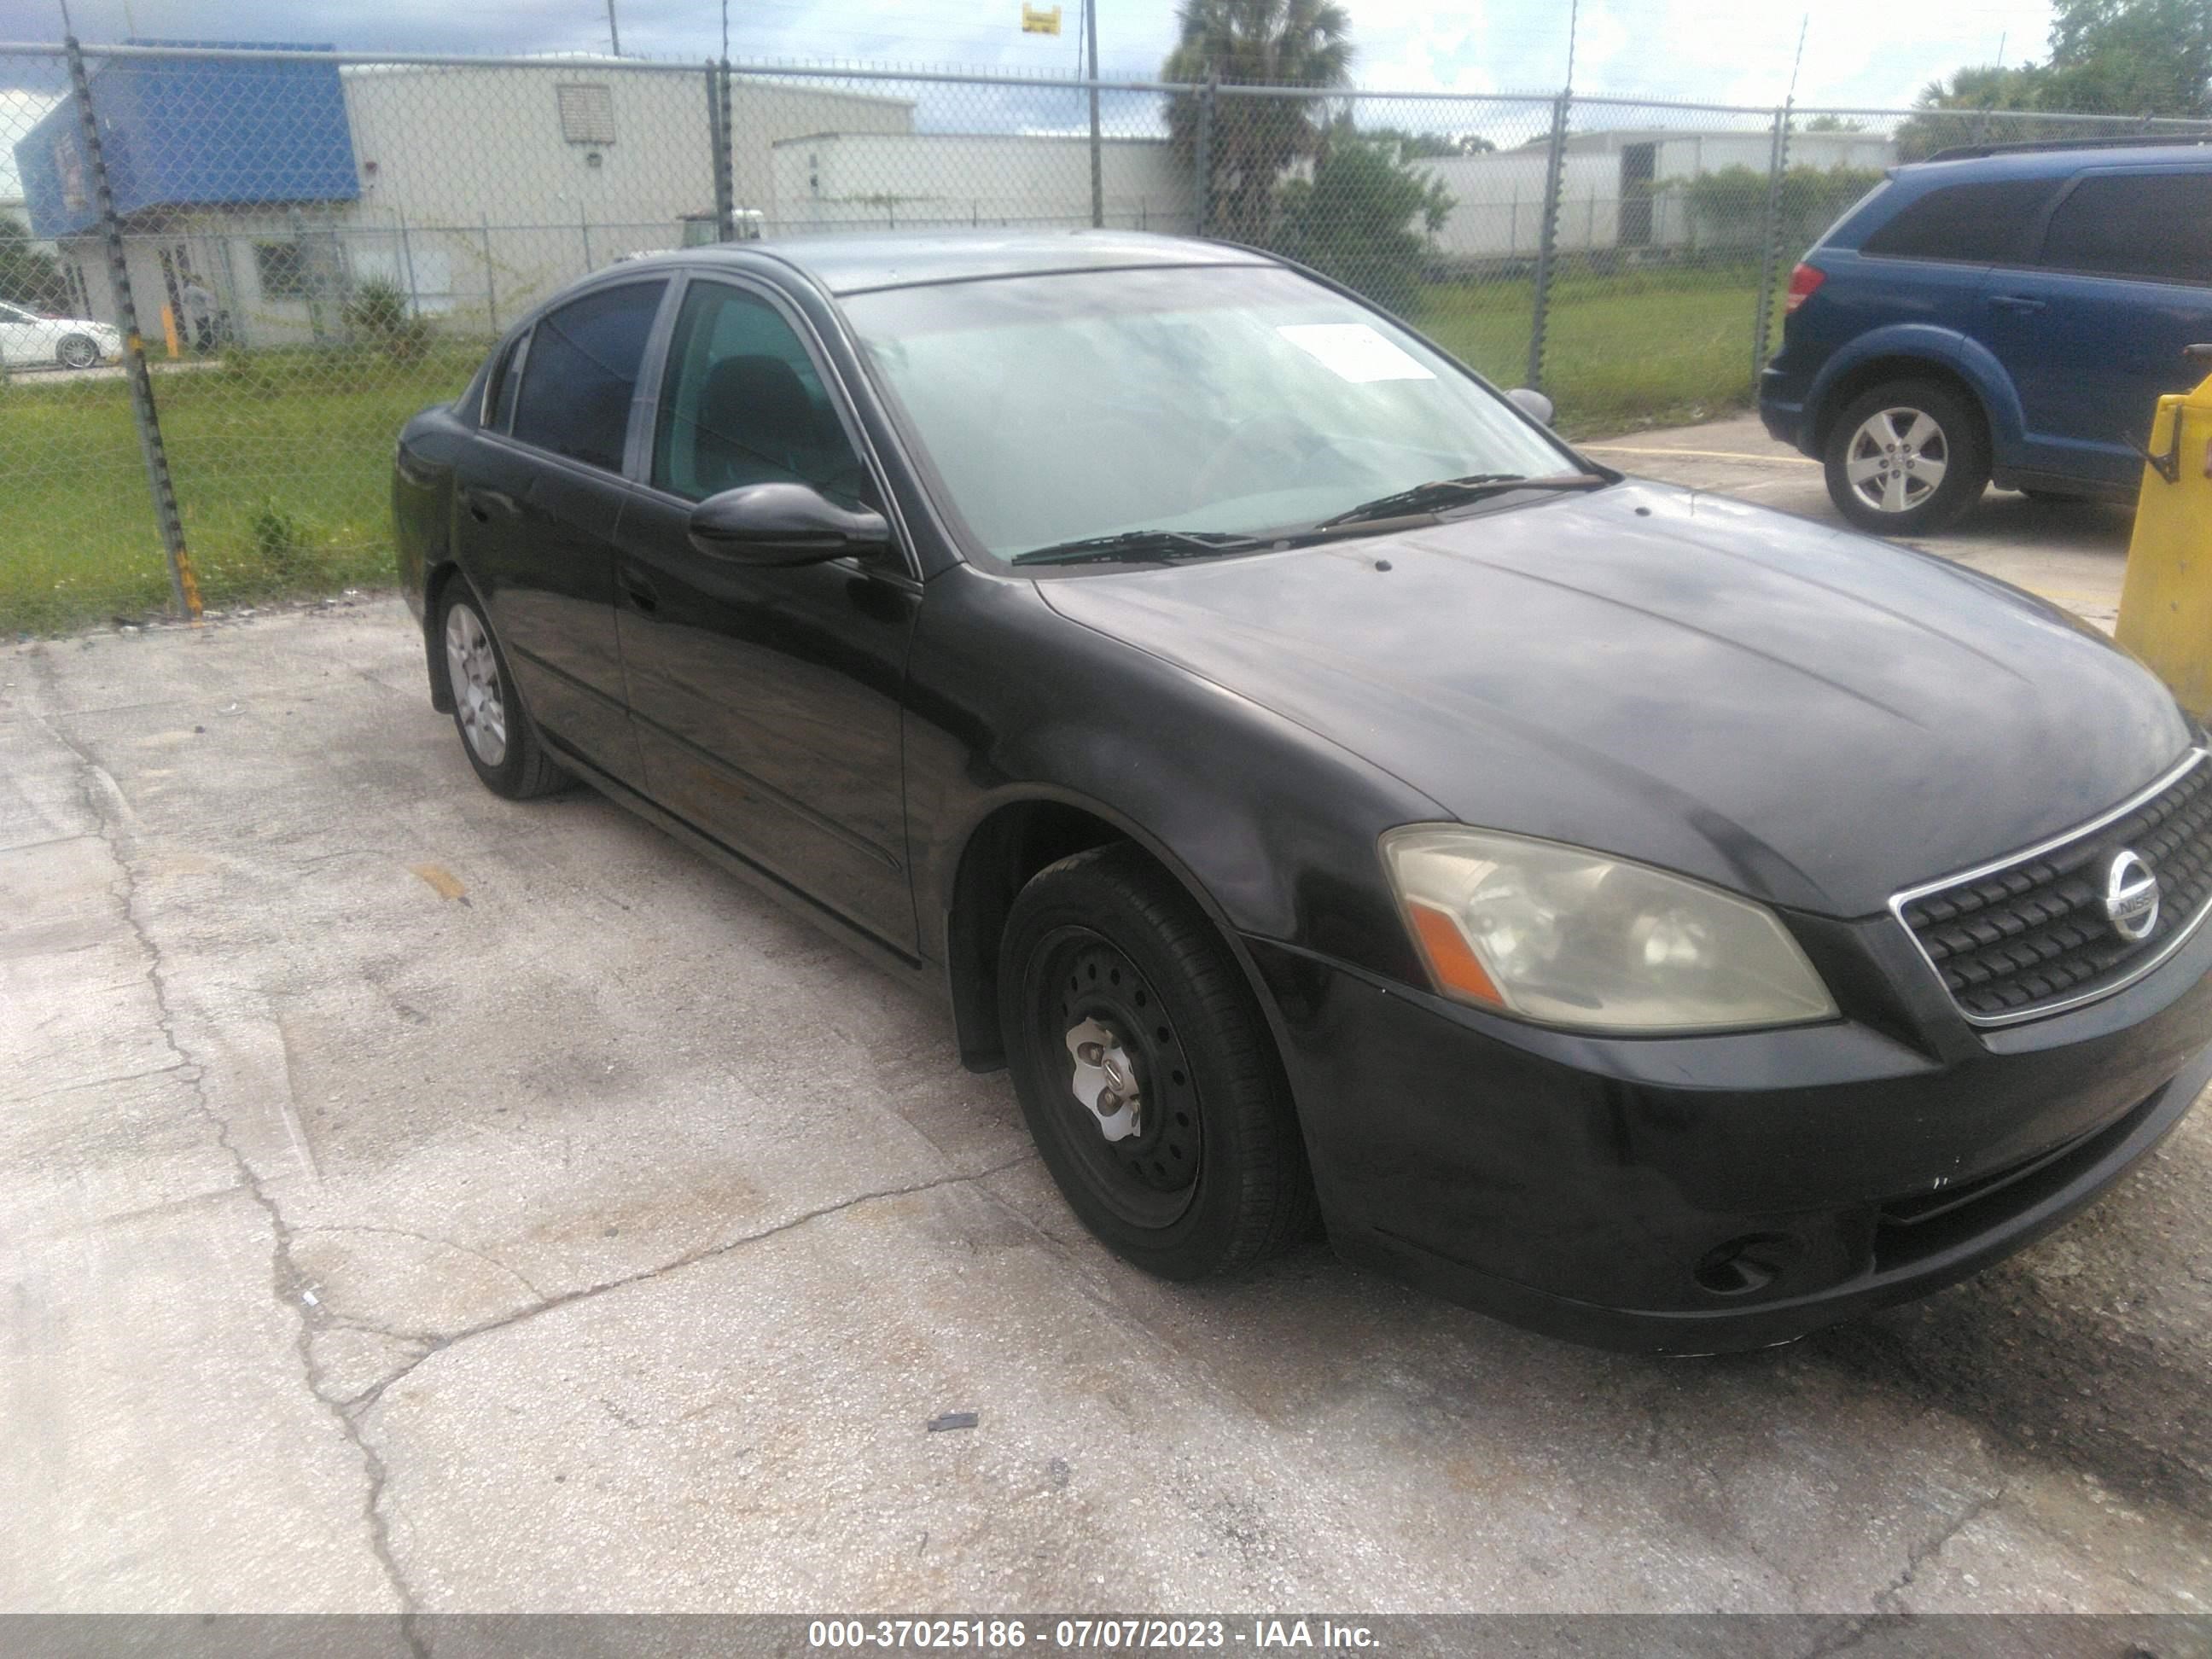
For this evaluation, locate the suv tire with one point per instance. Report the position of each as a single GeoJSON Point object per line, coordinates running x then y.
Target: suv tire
{"type": "Point", "coordinates": [1907, 457]}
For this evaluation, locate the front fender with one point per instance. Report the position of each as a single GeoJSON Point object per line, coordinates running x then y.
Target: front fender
{"type": "Point", "coordinates": [1968, 358]}
{"type": "Point", "coordinates": [1271, 828]}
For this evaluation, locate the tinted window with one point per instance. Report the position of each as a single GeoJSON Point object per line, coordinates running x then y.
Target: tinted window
{"type": "Point", "coordinates": [581, 370]}
{"type": "Point", "coordinates": [1983, 224]}
{"type": "Point", "coordinates": [742, 404]}
{"type": "Point", "coordinates": [2157, 225]}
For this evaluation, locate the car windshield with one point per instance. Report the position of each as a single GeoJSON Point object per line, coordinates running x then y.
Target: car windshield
{"type": "Point", "coordinates": [1218, 400]}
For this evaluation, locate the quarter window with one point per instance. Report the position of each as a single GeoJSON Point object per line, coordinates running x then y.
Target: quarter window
{"type": "Point", "coordinates": [1990, 223]}
{"type": "Point", "coordinates": [2153, 225]}
{"type": "Point", "coordinates": [581, 371]}
{"type": "Point", "coordinates": [742, 404]}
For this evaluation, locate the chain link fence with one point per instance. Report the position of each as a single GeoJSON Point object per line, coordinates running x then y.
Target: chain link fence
{"type": "Point", "coordinates": [314, 245]}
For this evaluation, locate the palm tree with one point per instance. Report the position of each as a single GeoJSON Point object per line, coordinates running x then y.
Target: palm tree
{"type": "Point", "coordinates": [1277, 43]}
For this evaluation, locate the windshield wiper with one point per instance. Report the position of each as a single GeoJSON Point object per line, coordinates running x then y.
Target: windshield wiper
{"type": "Point", "coordinates": [1441, 493]}
{"type": "Point", "coordinates": [1140, 547]}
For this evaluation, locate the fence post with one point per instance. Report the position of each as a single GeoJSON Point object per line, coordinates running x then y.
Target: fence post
{"type": "Point", "coordinates": [584, 224]}
{"type": "Point", "coordinates": [1778, 159]}
{"type": "Point", "coordinates": [182, 585]}
{"type": "Point", "coordinates": [725, 176]}
{"type": "Point", "coordinates": [407, 261]}
{"type": "Point", "coordinates": [1203, 151]}
{"type": "Point", "coordinates": [1547, 235]}
{"type": "Point", "coordinates": [491, 283]}
{"type": "Point", "coordinates": [1097, 183]}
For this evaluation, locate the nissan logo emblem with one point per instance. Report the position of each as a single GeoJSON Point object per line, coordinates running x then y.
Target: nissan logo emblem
{"type": "Point", "coordinates": [2131, 897]}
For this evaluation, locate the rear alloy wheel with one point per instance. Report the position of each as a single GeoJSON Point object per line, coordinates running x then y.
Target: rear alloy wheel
{"type": "Point", "coordinates": [1145, 1071]}
{"type": "Point", "coordinates": [497, 735]}
{"type": "Point", "coordinates": [1907, 457]}
{"type": "Point", "coordinates": [77, 351]}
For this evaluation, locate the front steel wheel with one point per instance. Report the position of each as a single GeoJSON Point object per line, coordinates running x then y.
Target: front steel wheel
{"type": "Point", "coordinates": [1145, 1071]}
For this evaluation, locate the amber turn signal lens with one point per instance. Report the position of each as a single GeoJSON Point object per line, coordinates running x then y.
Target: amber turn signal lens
{"type": "Point", "coordinates": [1450, 959]}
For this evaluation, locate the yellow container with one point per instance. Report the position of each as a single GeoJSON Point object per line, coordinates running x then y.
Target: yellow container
{"type": "Point", "coordinates": [2165, 603]}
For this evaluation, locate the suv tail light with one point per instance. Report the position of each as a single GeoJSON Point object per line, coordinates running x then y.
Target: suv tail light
{"type": "Point", "coordinates": [1802, 281]}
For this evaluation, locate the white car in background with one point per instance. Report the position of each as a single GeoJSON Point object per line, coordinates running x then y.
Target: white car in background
{"type": "Point", "coordinates": [30, 341]}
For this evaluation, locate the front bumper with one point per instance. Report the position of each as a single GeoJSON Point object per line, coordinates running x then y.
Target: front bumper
{"type": "Point", "coordinates": [1699, 1194]}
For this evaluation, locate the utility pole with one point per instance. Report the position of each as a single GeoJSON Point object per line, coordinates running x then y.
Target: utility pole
{"type": "Point", "coordinates": [614, 33]}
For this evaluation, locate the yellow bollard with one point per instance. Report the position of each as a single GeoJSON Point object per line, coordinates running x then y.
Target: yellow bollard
{"type": "Point", "coordinates": [2165, 602]}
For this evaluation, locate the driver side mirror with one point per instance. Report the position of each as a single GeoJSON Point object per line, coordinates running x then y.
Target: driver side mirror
{"type": "Point", "coordinates": [1532, 403]}
{"type": "Point", "coordinates": [783, 524]}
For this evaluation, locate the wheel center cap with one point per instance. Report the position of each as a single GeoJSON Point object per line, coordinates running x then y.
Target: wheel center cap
{"type": "Point", "coordinates": [1105, 1080]}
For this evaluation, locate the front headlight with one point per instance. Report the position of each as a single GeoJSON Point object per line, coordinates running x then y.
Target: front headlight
{"type": "Point", "coordinates": [1566, 937]}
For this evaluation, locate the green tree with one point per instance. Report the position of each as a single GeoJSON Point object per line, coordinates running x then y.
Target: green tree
{"type": "Point", "coordinates": [1255, 140]}
{"type": "Point", "coordinates": [1729, 205]}
{"type": "Point", "coordinates": [1427, 146]}
{"type": "Point", "coordinates": [1356, 218]}
{"type": "Point", "coordinates": [29, 276]}
{"type": "Point", "coordinates": [2121, 58]}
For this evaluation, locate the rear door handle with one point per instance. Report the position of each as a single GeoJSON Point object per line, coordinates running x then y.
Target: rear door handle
{"type": "Point", "coordinates": [483, 503]}
{"type": "Point", "coordinates": [2020, 302]}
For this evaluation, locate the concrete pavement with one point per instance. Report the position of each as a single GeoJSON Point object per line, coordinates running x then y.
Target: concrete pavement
{"type": "Point", "coordinates": [412, 1199]}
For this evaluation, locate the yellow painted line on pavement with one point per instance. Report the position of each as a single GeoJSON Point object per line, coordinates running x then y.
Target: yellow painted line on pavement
{"type": "Point", "coordinates": [1704, 454]}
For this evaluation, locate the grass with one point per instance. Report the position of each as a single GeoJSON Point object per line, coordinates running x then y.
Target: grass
{"type": "Point", "coordinates": [282, 462]}
{"type": "Point", "coordinates": [281, 459]}
{"type": "Point", "coordinates": [1622, 349]}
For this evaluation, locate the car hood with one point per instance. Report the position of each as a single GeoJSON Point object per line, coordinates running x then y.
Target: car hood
{"type": "Point", "coordinates": [1799, 712]}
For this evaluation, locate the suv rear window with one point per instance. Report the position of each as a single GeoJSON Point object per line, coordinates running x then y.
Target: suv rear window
{"type": "Point", "coordinates": [1988, 224]}
{"type": "Point", "coordinates": [2154, 225]}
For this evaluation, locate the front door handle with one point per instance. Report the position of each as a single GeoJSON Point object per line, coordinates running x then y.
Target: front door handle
{"type": "Point", "coordinates": [643, 593]}
{"type": "Point", "coordinates": [2020, 302]}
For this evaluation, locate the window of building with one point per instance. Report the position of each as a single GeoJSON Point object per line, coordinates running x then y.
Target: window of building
{"type": "Point", "coordinates": [1984, 224]}
{"type": "Point", "coordinates": [587, 112]}
{"type": "Point", "coordinates": [742, 405]}
{"type": "Point", "coordinates": [581, 373]}
{"type": "Point", "coordinates": [281, 267]}
{"type": "Point", "coordinates": [2156, 226]}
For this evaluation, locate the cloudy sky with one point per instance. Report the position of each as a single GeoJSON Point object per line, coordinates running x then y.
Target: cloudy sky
{"type": "Point", "coordinates": [1871, 51]}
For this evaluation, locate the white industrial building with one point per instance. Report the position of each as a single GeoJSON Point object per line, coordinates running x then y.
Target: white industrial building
{"type": "Point", "coordinates": [852, 180]}
{"type": "Point", "coordinates": [1623, 188]}
{"type": "Point", "coordinates": [478, 190]}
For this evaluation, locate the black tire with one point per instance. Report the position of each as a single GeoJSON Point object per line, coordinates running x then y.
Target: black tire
{"type": "Point", "coordinates": [1215, 1178]}
{"type": "Point", "coordinates": [1953, 436]}
{"type": "Point", "coordinates": [518, 767]}
{"type": "Point", "coordinates": [77, 351]}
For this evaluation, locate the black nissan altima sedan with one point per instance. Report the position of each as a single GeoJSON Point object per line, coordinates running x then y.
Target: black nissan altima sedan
{"type": "Point", "coordinates": [1649, 919]}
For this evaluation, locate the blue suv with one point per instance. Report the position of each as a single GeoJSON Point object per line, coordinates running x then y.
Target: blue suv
{"type": "Point", "coordinates": [2003, 312]}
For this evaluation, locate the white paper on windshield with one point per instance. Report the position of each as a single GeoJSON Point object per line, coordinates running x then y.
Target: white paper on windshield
{"type": "Point", "coordinates": [1354, 351]}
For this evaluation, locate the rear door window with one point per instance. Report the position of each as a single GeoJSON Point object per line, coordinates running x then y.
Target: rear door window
{"type": "Point", "coordinates": [581, 371]}
{"type": "Point", "coordinates": [2153, 225]}
{"type": "Point", "coordinates": [1988, 224]}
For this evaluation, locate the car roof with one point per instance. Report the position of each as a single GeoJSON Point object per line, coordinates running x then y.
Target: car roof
{"type": "Point", "coordinates": [2058, 162]}
{"type": "Point", "coordinates": [855, 265]}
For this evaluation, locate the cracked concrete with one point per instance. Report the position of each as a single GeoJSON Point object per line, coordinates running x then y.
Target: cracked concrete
{"type": "Point", "coordinates": [609, 1240]}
